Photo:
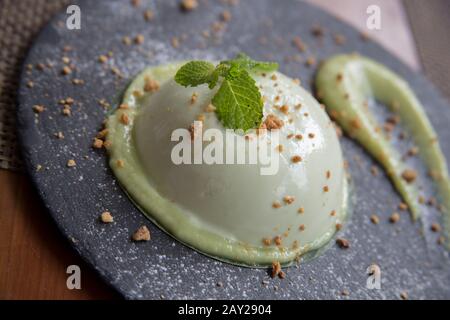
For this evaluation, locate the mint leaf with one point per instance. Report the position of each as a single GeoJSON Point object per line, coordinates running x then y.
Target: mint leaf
{"type": "Point", "coordinates": [220, 71]}
{"type": "Point", "coordinates": [195, 73]}
{"type": "Point", "coordinates": [243, 61]}
{"type": "Point", "coordinates": [238, 102]}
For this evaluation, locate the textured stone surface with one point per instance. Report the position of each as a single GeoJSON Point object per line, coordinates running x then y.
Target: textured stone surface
{"type": "Point", "coordinates": [162, 267]}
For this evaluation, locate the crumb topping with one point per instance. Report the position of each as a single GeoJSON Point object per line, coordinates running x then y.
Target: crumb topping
{"type": "Point", "coordinates": [277, 240]}
{"type": "Point", "coordinates": [276, 269]}
{"type": "Point", "coordinates": [38, 108]}
{"type": "Point", "coordinates": [276, 204]}
{"type": "Point", "coordinates": [120, 163]}
{"type": "Point", "coordinates": [71, 163]}
{"type": "Point", "coordinates": [141, 234]}
{"type": "Point", "coordinates": [139, 39]}
{"type": "Point", "coordinates": [188, 5]}
{"type": "Point", "coordinates": [296, 159]}
{"type": "Point", "coordinates": [273, 122]}
{"type": "Point", "coordinates": [409, 175]}
{"type": "Point", "coordinates": [106, 217]}
{"type": "Point", "coordinates": [435, 227]}
{"type": "Point", "coordinates": [299, 44]}
{"type": "Point", "coordinates": [124, 119]}
{"type": "Point", "coordinates": [148, 15]}
{"type": "Point", "coordinates": [374, 219]}
{"type": "Point", "coordinates": [343, 243]}
{"type": "Point", "coordinates": [394, 218]}
{"type": "Point", "coordinates": [151, 85]}
{"type": "Point", "coordinates": [66, 70]}
{"type": "Point", "coordinates": [97, 144]}
{"type": "Point", "coordinates": [288, 199]}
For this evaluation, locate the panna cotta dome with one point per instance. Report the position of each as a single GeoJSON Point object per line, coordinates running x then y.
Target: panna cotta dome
{"type": "Point", "coordinates": [231, 211]}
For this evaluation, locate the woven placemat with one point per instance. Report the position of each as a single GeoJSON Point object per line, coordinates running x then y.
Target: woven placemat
{"type": "Point", "coordinates": [20, 21]}
{"type": "Point", "coordinates": [430, 24]}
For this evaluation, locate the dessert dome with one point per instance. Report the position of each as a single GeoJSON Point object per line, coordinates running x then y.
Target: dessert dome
{"type": "Point", "coordinates": [245, 213]}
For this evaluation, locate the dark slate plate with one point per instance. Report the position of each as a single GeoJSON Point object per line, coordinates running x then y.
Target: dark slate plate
{"type": "Point", "coordinates": [163, 268]}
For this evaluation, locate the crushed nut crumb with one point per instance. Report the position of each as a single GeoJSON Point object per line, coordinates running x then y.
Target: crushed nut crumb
{"type": "Point", "coordinates": [148, 15]}
{"type": "Point", "coordinates": [106, 217]}
{"type": "Point", "coordinates": [151, 85]}
{"type": "Point", "coordinates": [404, 295]}
{"type": "Point", "coordinates": [66, 70]}
{"type": "Point", "coordinates": [120, 163]}
{"type": "Point", "coordinates": [124, 119]}
{"type": "Point", "coordinates": [225, 16]}
{"type": "Point", "coordinates": [276, 204]}
{"type": "Point", "coordinates": [409, 175]}
{"type": "Point", "coordinates": [175, 42]}
{"type": "Point", "coordinates": [71, 163]}
{"type": "Point", "coordinates": [141, 234]}
{"type": "Point", "coordinates": [394, 218]}
{"type": "Point", "coordinates": [188, 5]}
{"type": "Point", "coordinates": [276, 269]}
{"type": "Point", "coordinates": [194, 98]}
{"type": "Point", "coordinates": [343, 243]}
{"type": "Point", "coordinates": [38, 108]}
{"type": "Point", "coordinates": [284, 109]}
{"type": "Point", "coordinates": [59, 135]}
{"type": "Point", "coordinates": [374, 219]}
{"type": "Point", "coordinates": [288, 199]}
{"type": "Point", "coordinates": [97, 144]}
{"type": "Point", "coordinates": [273, 122]}
{"type": "Point", "coordinates": [296, 159]}
{"type": "Point", "coordinates": [299, 44]}
{"type": "Point", "coordinates": [277, 240]}
{"type": "Point", "coordinates": [139, 39]}
{"type": "Point", "coordinates": [102, 58]}
{"type": "Point", "coordinates": [435, 227]}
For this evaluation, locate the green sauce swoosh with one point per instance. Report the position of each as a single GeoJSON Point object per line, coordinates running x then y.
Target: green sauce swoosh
{"type": "Point", "coordinates": [345, 83]}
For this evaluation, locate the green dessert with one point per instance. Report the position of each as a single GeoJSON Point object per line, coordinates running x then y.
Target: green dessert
{"type": "Point", "coordinates": [231, 212]}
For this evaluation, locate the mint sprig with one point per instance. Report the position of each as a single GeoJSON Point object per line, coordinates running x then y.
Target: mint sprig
{"type": "Point", "coordinates": [195, 73]}
{"type": "Point", "coordinates": [238, 101]}
{"type": "Point", "coordinates": [243, 61]}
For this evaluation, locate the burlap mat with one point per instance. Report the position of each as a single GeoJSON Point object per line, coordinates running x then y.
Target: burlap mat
{"type": "Point", "coordinates": [20, 20]}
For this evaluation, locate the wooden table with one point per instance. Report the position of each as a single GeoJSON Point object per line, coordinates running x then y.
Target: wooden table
{"type": "Point", "coordinates": [34, 256]}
